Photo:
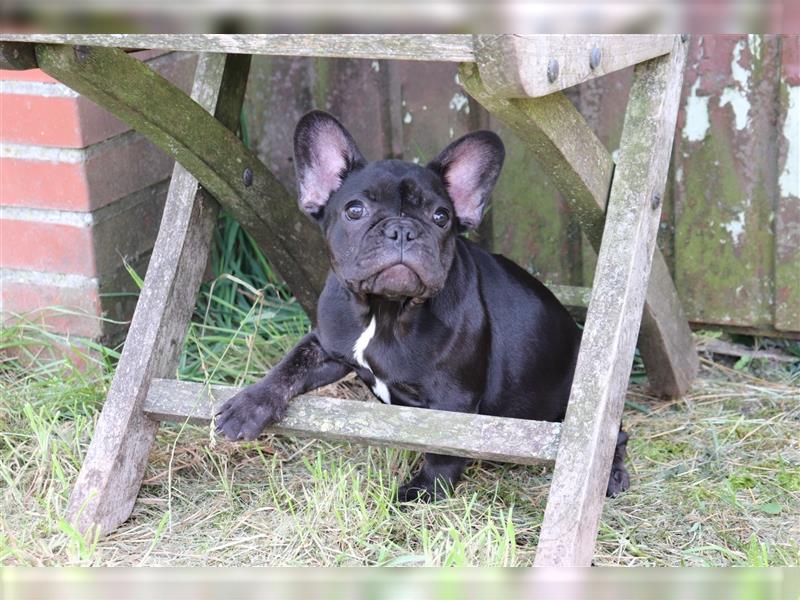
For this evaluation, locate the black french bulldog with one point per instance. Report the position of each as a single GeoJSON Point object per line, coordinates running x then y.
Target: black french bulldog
{"type": "Point", "coordinates": [423, 316]}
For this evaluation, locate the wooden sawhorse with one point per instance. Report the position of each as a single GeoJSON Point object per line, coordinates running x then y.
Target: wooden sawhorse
{"type": "Point", "coordinates": [517, 78]}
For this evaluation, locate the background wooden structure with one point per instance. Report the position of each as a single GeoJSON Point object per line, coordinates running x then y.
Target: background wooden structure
{"type": "Point", "coordinates": [728, 227]}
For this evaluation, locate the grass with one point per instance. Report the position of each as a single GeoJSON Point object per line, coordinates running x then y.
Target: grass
{"type": "Point", "coordinates": [715, 482]}
{"type": "Point", "coordinates": [715, 474]}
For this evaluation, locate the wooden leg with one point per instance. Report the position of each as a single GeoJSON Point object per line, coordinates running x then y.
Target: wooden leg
{"type": "Point", "coordinates": [590, 428]}
{"type": "Point", "coordinates": [582, 170]}
{"type": "Point", "coordinates": [213, 154]}
{"type": "Point", "coordinates": [112, 471]}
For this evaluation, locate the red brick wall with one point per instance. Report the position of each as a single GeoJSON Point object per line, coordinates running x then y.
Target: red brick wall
{"type": "Point", "coordinates": [79, 192]}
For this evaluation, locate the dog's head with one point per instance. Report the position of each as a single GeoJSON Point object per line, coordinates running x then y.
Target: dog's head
{"type": "Point", "coordinates": [391, 225]}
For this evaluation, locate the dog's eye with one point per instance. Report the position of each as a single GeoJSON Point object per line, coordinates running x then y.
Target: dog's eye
{"type": "Point", "coordinates": [441, 217]}
{"type": "Point", "coordinates": [355, 210]}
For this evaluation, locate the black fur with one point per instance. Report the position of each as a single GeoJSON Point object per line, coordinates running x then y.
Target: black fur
{"type": "Point", "coordinates": [456, 328]}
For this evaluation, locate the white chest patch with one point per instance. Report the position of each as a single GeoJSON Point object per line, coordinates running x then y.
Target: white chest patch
{"type": "Point", "coordinates": [380, 389]}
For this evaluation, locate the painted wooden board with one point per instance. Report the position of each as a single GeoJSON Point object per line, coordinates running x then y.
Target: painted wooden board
{"type": "Point", "coordinates": [109, 480]}
{"type": "Point", "coordinates": [519, 66]}
{"type": "Point", "coordinates": [457, 434]}
{"type": "Point", "coordinates": [452, 48]}
{"type": "Point", "coordinates": [787, 215]}
{"type": "Point", "coordinates": [590, 428]}
{"type": "Point", "coordinates": [728, 220]}
{"type": "Point", "coordinates": [212, 153]}
{"type": "Point", "coordinates": [581, 168]}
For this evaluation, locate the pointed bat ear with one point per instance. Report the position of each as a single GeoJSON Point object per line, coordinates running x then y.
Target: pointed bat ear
{"type": "Point", "coordinates": [469, 168]}
{"type": "Point", "coordinates": [324, 153]}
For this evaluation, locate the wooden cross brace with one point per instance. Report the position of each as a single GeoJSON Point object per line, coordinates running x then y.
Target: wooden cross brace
{"type": "Point", "coordinates": [518, 79]}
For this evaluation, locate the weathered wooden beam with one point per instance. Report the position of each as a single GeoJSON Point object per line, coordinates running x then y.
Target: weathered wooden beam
{"type": "Point", "coordinates": [590, 428]}
{"type": "Point", "coordinates": [530, 66]}
{"type": "Point", "coordinates": [571, 295]}
{"type": "Point", "coordinates": [581, 168]}
{"type": "Point", "coordinates": [452, 48]}
{"type": "Point", "coordinates": [457, 434]}
{"type": "Point", "coordinates": [16, 56]}
{"type": "Point", "coordinates": [209, 151]}
{"type": "Point", "coordinates": [109, 480]}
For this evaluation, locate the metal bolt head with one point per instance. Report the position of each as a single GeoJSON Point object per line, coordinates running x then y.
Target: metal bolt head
{"type": "Point", "coordinates": [247, 177]}
{"type": "Point", "coordinates": [594, 58]}
{"type": "Point", "coordinates": [552, 70]}
{"type": "Point", "coordinates": [684, 37]}
{"type": "Point", "coordinates": [81, 53]}
{"type": "Point", "coordinates": [656, 201]}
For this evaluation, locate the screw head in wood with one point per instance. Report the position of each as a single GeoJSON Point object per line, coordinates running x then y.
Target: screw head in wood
{"type": "Point", "coordinates": [594, 58]}
{"type": "Point", "coordinates": [552, 70]}
{"type": "Point", "coordinates": [656, 201]}
{"type": "Point", "coordinates": [247, 177]}
{"type": "Point", "coordinates": [81, 53]}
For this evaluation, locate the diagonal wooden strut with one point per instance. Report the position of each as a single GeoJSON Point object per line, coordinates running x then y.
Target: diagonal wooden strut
{"type": "Point", "coordinates": [112, 471]}
{"type": "Point", "coordinates": [211, 152]}
{"type": "Point", "coordinates": [582, 169]}
{"type": "Point", "coordinates": [601, 376]}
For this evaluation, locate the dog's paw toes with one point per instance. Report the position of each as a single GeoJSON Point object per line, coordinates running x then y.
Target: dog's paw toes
{"type": "Point", "coordinates": [243, 418]}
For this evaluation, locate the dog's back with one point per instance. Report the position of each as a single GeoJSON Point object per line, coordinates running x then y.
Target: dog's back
{"type": "Point", "coordinates": [534, 341]}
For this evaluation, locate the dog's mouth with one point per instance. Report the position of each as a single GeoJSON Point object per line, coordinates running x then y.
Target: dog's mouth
{"type": "Point", "coordinates": [396, 281]}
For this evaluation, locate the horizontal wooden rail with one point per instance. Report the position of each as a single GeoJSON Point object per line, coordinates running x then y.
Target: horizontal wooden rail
{"type": "Point", "coordinates": [457, 434]}
{"type": "Point", "coordinates": [511, 66]}
{"type": "Point", "coordinates": [450, 48]}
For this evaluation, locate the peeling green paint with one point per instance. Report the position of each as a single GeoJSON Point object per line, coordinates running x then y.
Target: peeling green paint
{"type": "Point", "coordinates": [720, 265]}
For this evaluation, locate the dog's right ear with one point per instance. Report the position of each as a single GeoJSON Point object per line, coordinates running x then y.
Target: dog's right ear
{"type": "Point", "coordinates": [324, 153]}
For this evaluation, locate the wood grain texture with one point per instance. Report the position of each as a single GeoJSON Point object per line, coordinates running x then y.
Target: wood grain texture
{"type": "Point", "coordinates": [516, 66]}
{"type": "Point", "coordinates": [601, 377]}
{"type": "Point", "coordinates": [207, 149]}
{"type": "Point", "coordinates": [457, 434]}
{"type": "Point", "coordinates": [581, 168]}
{"type": "Point", "coordinates": [109, 480]}
{"type": "Point", "coordinates": [452, 48]}
{"type": "Point", "coordinates": [17, 56]}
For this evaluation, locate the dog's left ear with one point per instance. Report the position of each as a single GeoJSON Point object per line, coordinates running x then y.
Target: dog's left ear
{"type": "Point", "coordinates": [324, 153]}
{"type": "Point", "coordinates": [469, 168]}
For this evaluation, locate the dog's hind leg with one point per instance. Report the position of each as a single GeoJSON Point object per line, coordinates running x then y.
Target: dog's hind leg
{"type": "Point", "coordinates": [435, 480]}
{"type": "Point", "coordinates": [619, 480]}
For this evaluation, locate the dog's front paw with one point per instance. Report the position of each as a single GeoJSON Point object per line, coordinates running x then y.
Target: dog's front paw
{"type": "Point", "coordinates": [245, 415]}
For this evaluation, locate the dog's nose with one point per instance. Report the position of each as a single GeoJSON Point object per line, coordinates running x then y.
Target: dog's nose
{"type": "Point", "coordinates": [399, 231]}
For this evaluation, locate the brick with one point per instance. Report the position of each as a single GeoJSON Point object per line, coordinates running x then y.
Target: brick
{"type": "Point", "coordinates": [87, 179]}
{"type": "Point", "coordinates": [78, 306]}
{"type": "Point", "coordinates": [73, 309]}
{"type": "Point", "coordinates": [90, 247]}
{"type": "Point", "coordinates": [69, 121]}
{"type": "Point", "coordinates": [48, 247]}
{"type": "Point", "coordinates": [44, 184]}
{"type": "Point", "coordinates": [128, 229]}
{"type": "Point", "coordinates": [125, 168]}
{"type": "Point", "coordinates": [41, 120]}
{"type": "Point", "coordinates": [34, 75]}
